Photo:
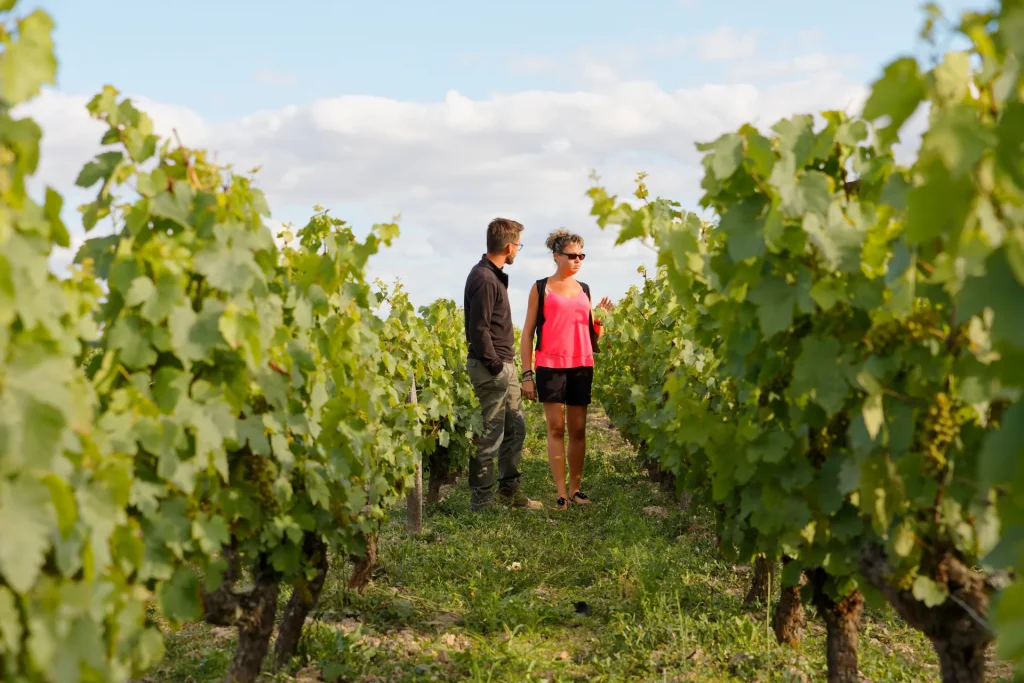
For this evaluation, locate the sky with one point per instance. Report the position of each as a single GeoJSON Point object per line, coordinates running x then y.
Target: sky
{"type": "Point", "coordinates": [449, 113]}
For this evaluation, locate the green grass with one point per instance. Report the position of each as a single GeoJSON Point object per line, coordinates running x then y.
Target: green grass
{"type": "Point", "coordinates": [491, 597]}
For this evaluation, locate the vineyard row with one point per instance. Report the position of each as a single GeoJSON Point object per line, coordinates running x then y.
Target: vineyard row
{"type": "Point", "coordinates": [196, 406]}
{"type": "Point", "coordinates": [834, 364]}
{"type": "Point", "coordinates": [833, 367]}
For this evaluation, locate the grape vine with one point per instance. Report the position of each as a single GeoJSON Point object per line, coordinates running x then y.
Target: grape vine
{"type": "Point", "coordinates": [196, 404]}
{"type": "Point", "coordinates": [448, 406]}
{"type": "Point", "coordinates": [864, 316]}
{"type": "Point", "coordinates": [63, 486]}
{"type": "Point", "coordinates": [834, 367]}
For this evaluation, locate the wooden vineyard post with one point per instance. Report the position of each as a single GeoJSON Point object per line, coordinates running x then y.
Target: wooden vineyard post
{"type": "Point", "coordinates": [414, 501]}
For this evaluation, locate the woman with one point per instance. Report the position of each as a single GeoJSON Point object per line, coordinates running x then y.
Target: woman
{"type": "Point", "coordinates": [567, 335]}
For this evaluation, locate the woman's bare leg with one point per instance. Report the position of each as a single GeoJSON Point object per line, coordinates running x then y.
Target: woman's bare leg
{"type": "Point", "coordinates": [577, 419]}
{"type": "Point", "coordinates": [555, 417]}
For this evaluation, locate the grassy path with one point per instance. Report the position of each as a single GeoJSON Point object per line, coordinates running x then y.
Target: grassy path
{"type": "Point", "coordinates": [627, 589]}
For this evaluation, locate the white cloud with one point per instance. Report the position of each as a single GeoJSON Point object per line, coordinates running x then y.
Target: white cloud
{"type": "Point", "coordinates": [532, 65]}
{"type": "Point", "coordinates": [809, 36]}
{"type": "Point", "coordinates": [278, 78]}
{"type": "Point", "coordinates": [670, 46]}
{"type": "Point", "coordinates": [763, 69]}
{"type": "Point", "coordinates": [805, 40]}
{"type": "Point", "coordinates": [726, 44]}
{"type": "Point", "coordinates": [450, 166]}
{"type": "Point", "coordinates": [597, 73]}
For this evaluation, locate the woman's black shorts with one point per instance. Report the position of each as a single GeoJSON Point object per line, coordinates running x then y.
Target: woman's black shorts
{"type": "Point", "coordinates": [570, 386]}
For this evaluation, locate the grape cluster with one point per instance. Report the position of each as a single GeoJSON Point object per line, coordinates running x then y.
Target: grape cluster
{"type": "Point", "coordinates": [831, 435]}
{"type": "Point", "coordinates": [261, 474]}
{"type": "Point", "coordinates": [891, 334]}
{"type": "Point", "coordinates": [940, 427]}
{"type": "Point", "coordinates": [904, 578]}
{"type": "Point", "coordinates": [775, 386]}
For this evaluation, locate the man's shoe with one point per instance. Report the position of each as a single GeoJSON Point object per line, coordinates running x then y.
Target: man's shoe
{"type": "Point", "coordinates": [482, 507]}
{"type": "Point", "coordinates": [519, 500]}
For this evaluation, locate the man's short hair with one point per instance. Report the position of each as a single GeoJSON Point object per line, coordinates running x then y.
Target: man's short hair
{"type": "Point", "coordinates": [502, 232]}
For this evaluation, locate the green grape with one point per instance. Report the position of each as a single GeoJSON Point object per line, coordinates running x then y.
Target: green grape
{"type": "Point", "coordinates": [260, 471]}
{"type": "Point", "coordinates": [939, 429]}
{"type": "Point", "coordinates": [889, 335]}
{"type": "Point", "coordinates": [904, 577]}
{"type": "Point", "coordinates": [832, 435]}
{"type": "Point", "coordinates": [775, 386]}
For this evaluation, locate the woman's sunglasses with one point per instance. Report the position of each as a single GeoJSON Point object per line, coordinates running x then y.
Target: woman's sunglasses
{"type": "Point", "coordinates": [573, 257]}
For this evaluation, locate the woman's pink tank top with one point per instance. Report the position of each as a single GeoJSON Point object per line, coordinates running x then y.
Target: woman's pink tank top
{"type": "Point", "coordinates": [565, 338]}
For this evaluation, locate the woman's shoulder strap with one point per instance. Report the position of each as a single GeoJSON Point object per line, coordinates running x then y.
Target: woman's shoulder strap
{"type": "Point", "coordinates": [541, 287]}
{"type": "Point", "coordinates": [539, 324]}
{"type": "Point", "coordinates": [586, 288]}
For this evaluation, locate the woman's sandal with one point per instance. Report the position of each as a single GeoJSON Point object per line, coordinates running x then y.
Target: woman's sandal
{"type": "Point", "coordinates": [580, 498]}
{"type": "Point", "coordinates": [561, 504]}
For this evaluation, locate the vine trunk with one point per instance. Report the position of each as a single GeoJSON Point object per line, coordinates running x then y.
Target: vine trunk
{"type": "Point", "coordinates": [790, 620]}
{"type": "Point", "coordinates": [304, 599]}
{"type": "Point", "coordinates": [764, 573]}
{"type": "Point", "coordinates": [842, 626]}
{"type": "Point", "coordinates": [957, 628]}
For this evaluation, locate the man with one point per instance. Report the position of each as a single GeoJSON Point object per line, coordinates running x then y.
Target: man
{"type": "Point", "coordinates": [491, 340]}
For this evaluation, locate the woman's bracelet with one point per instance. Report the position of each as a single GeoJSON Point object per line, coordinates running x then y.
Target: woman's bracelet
{"type": "Point", "coordinates": [527, 374]}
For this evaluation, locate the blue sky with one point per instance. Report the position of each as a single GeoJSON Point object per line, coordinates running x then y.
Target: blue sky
{"type": "Point", "coordinates": [452, 112]}
{"type": "Point", "coordinates": [226, 58]}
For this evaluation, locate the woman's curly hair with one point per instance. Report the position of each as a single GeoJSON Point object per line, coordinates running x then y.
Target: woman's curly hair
{"type": "Point", "coordinates": [559, 239]}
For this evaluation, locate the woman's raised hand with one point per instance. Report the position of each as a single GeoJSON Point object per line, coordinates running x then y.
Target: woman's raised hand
{"type": "Point", "coordinates": [606, 304]}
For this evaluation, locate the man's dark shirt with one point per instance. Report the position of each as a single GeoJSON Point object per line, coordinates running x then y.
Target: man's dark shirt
{"type": "Point", "coordinates": [488, 315]}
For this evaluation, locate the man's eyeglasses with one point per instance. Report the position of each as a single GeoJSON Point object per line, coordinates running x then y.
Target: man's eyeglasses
{"type": "Point", "coordinates": [573, 257]}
